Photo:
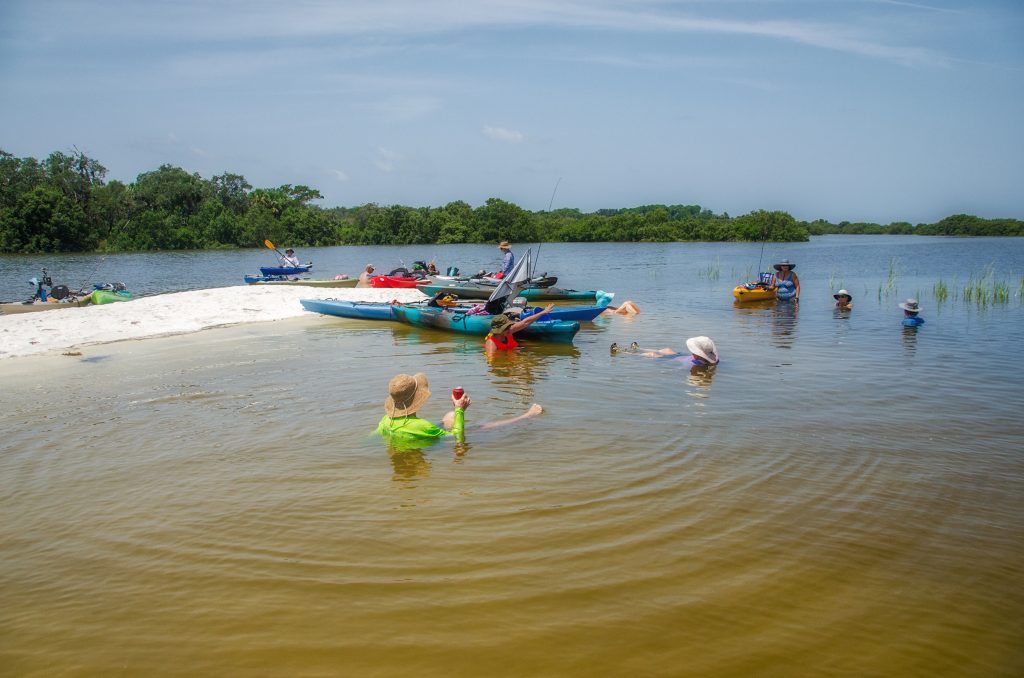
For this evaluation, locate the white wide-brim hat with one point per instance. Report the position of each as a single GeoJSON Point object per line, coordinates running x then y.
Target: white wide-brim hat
{"type": "Point", "coordinates": [704, 347]}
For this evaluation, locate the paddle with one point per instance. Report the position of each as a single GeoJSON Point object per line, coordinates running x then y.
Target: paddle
{"type": "Point", "coordinates": [271, 246]}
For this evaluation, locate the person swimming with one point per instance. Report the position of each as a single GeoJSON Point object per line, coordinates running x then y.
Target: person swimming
{"type": "Point", "coordinates": [703, 352]}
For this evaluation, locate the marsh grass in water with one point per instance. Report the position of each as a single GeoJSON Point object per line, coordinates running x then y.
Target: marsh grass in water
{"type": "Point", "coordinates": [940, 291]}
{"type": "Point", "coordinates": [832, 284]}
{"type": "Point", "coordinates": [983, 288]}
{"type": "Point", "coordinates": [712, 271]}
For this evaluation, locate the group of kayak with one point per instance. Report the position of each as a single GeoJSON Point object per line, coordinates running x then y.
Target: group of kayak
{"type": "Point", "coordinates": [48, 297]}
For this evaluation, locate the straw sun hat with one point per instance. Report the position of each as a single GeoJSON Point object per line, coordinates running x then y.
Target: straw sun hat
{"type": "Point", "coordinates": [703, 347]}
{"type": "Point", "coordinates": [504, 245]}
{"type": "Point", "coordinates": [406, 394]}
{"type": "Point", "coordinates": [784, 262]}
{"type": "Point", "coordinates": [911, 305]}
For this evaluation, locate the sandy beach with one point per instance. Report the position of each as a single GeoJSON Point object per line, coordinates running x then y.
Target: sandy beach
{"type": "Point", "coordinates": [165, 314]}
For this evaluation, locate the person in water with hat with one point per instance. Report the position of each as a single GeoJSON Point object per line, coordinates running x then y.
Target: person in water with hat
{"type": "Point", "coordinates": [910, 310]}
{"type": "Point", "coordinates": [786, 281]}
{"type": "Point", "coordinates": [843, 300]}
{"type": "Point", "coordinates": [702, 352]}
{"type": "Point", "coordinates": [508, 259]}
{"type": "Point", "coordinates": [407, 394]}
{"type": "Point", "coordinates": [503, 329]}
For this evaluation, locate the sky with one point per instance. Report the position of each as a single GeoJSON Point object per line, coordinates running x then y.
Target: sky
{"type": "Point", "coordinates": [857, 110]}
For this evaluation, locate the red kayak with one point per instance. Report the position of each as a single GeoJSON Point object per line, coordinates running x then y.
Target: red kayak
{"type": "Point", "coordinates": [396, 281]}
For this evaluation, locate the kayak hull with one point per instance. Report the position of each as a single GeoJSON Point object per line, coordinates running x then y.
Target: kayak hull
{"type": "Point", "coordinates": [360, 310]}
{"type": "Point", "coordinates": [469, 290]}
{"type": "Point", "coordinates": [9, 308]}
{"type": "Point", "coordinates": [109, 297]}
{"type": "Point", "coordinates": [480, 325]}
{"type": "Point", "coordinates": [392, 281]}
{"type": "Point", "coordinates": [285, 270]}
{"type": "Point", "coordinates": [301, 282]}
{"type": "Point", "coordinates": [753, 292]}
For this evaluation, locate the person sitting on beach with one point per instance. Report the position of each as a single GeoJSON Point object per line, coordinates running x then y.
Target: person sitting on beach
{"type": "Point", "coordinates": [364, 277]}
{"type": "Point", "coordinates": [503, 329]}
{"type": "Point", "coordinates": [408, 393]}
{"type": "Point", "coordinates": [702, 352]}
{"type": "Point", "coordinates": [289, 258]}
{"type": "Point", "coordinates": [910, 310]}
{"type": "Point", "coordinates": [843, 299]}
{"type": "Point", "coordinates": [625, 308]}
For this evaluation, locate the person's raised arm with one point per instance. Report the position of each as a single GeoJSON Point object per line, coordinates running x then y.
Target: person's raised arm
{"type": "Point", "coordinates": [526, 322]}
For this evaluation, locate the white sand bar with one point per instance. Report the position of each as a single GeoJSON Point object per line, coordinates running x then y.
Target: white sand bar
{"type": "Point", "coordinates": [34, 333]}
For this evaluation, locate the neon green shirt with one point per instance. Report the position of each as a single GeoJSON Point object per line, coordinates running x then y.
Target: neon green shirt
{"type": "Point", "coordinates": [419, 432]}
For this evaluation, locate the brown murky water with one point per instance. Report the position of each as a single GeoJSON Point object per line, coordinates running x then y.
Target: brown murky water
{"type": "Point", "coordinates": [840, 498]}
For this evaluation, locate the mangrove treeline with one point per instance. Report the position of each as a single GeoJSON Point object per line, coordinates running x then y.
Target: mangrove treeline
{"type": "Point", "coordinates": [64, 204]}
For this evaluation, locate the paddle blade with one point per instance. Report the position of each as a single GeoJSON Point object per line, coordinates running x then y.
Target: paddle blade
{"type": "Point", "coordinates": [269, 245]}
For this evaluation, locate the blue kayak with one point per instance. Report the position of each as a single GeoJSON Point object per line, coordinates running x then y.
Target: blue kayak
{"type": "Point", "coordinates": [439, 319]}
{"type": "Point", "coordinates": [285, 270]}
{"type": "Point", "coordinates": [362, 310]}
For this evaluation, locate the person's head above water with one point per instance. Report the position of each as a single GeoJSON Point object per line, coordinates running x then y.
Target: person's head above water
{"type": "Point", "coordinates": [500, 323]}
{"type": "Point", "coordinates": [842, 296]}
{"type": "Point", "coordinates": [703, 348]}
{"type": "Point", "coordinates": [406, 394]}
{"type": "Point", "coordinates": [910, 307]}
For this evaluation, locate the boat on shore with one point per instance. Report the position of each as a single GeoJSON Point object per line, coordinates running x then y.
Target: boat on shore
{"type": "Point", "coordinates": [473, 290]}
{"type": "Point", "coordinates": [34, 305]}
{"type": "Point", "coordinates": [371, 310]}
{"type": "Point", "coordinates": [359, 310]}
{"type": "Point", "coordinates": [480, 325]}
{"type": "Point", "coordinates": [301, 282]}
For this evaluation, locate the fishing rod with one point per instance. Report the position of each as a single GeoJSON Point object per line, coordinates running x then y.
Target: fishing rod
{"type": "Point", "coordinates": [533, 273]}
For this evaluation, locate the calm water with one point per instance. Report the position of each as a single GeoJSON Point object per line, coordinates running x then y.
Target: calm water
{"type": "Point", "coordinates": [841, 498]}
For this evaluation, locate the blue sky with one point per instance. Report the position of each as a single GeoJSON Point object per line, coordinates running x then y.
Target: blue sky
{"type": "Point", "coordinates": [877, 110]}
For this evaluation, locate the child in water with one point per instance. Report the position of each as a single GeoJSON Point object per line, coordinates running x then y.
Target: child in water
{"type": "Point", "coordinates": [910, 310]}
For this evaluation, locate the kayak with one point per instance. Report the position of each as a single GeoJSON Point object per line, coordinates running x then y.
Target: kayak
{"type": "Point", "coordinates": [11, 307]}
{"type": "Point", "coordinates": [394, 281]}
{"type": "Point", "coordinates": [753, 292]}
{"type": "Point", "coordinates": [110, 296]}
{"type": "Point", "coordinates": [304, 282]}
{"type": "Point", "coordinates": [439, 319]}
{"type": "Point", "coordinates": [361, 310]}
{"type": "Point", "coordinates": [285, 270]}
{"type": "Point", "coordinates": [375, 310]}
{"type": "Point", "coordinates": [472, 290]}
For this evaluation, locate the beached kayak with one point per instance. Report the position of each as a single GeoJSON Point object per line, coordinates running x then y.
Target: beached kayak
{"type": "Point", "coordinates": [361, 310]}
{"type": "Point", "coordinates": [110, 296]}
{"type": "Point", "coordinates": [302, 282]}
{"type": "Point", "coordinates": [394, 281]}
{"type": "Point", "coordinates": [753, 292]}
{"type": "Point", "coordinates": [285, 270]}
{"type": "Point", "coordinates": [472, 290]}
{"type": "Point", "coordinates": [439, 319]}
{"type": "Point", "coordinates": [49, 305]}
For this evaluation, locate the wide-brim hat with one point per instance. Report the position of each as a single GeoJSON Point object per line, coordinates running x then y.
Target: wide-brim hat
{"type": "Point", "coordinates": [784, 262]}
{"type": "Point", "coordinates": [842, 293]}
{"type": "Point", "coordinates": [911, 305]}
{"type": "Point", "coordinates": [500, 323]}
{"type": "Point", "coordinates": [504, 245]}
{"type": "Point", "coordinates": [703, 347]}
{"type": "Point", "coordinates": [406, 394]}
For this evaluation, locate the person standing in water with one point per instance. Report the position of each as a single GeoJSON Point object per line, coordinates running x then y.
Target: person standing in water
{"type": "Point", "coordinates": [910, 310]}
{"type": "Point", "coordinates": [364, 277]}
{"type": "Point", "coordinates": [503, 329]}
{"type": "Point", "coordinates": [786, 281]}
{"type": "Point", "coordinates": [843, 300]}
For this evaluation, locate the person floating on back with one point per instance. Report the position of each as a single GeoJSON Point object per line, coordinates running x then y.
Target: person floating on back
{"type": "Point", "coordinates": [910, 310]}
{"type": "Point", "coordinates": [843, 299]}
{"type": "Point", "coordinates": [702, 352]}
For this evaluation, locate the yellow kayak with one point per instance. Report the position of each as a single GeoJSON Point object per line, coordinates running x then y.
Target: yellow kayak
{"type": "Point", "coordinates": [754, 292]}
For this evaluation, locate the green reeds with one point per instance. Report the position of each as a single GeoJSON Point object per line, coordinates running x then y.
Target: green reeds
{"type": "Point", "coordinates": [983, 289]}
{"type": "Point", "coordinates": [832, 278]}
{"type": "Point", "coordinates": [940, 291]}
{"type": "Point", "coordinates": [713, 271]}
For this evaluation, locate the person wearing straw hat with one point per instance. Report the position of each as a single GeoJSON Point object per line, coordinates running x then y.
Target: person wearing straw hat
{"type": "Point", "coordinates": [289, 258]}
{"type": "Point", "coordinates": [703, 352]}
{"type": "Point", "coordinates": [508, 259]}
{"type": "Point", "coordinates": [406, 396]}
{"type": "Point", "coordinates": [910, 310]}
{"type": "Point", "coordinates": [503, 330]}
{"type": "Point", "coordinates": [843, 300]}
{"type": "Point", "coordinates": [786, 281]}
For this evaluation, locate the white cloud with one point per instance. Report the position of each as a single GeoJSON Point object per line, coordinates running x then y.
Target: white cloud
{"type": "Point", "coordinates": [342, 177]}
{"type": "Point", "coordinates": [509, 136]}
{"type": "Point", "coordinates": [386, 160]}
{"type": "Point", "coordinates": [202, 153]}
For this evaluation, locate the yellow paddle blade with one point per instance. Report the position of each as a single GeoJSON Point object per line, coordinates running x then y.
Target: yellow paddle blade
{"type": "Point", "coordinates": [269, 245]}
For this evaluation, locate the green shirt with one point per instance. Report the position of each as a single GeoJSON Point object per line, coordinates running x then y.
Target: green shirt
{"type": "Point", "coordinates": [415, 432]}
